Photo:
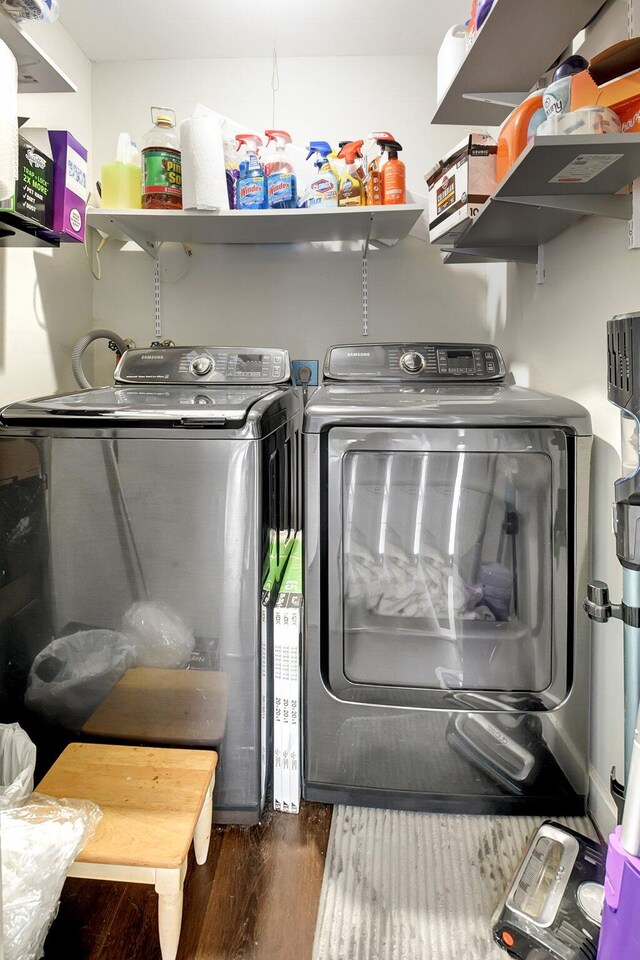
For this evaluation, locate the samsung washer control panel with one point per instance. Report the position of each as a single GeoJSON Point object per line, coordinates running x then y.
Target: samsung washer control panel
{"type": "Point", "coordinates": [205, 365]}
{"type": "Point", "coordinates": [430, 362]}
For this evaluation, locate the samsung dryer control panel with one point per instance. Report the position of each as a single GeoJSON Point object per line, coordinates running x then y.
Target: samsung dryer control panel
{"type": "Point", "coordinates": [425, 362]}
{"type": "Point", "coordinates": [205, 365]}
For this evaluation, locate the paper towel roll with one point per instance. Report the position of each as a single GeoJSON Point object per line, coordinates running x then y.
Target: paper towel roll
{"type": "Point", "coordinates": [8, 122]}
{"type": "Point", "coordinates": [204, 182]}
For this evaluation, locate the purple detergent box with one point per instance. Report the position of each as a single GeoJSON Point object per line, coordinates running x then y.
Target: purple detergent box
{"type": "Point", "coordinates": [70, 179]}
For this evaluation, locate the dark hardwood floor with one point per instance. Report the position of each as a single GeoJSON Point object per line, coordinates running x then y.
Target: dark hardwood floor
{"type": "Point", "coordinates": [256, 898]}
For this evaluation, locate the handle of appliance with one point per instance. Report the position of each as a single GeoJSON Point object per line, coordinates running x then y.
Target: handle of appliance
{"type": "Point", "coordinates": [597, 604]}
{"type": "Point", "coordinates": [119, 346]}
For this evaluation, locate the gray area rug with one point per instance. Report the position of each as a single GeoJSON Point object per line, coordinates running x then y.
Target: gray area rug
{"type": "Point", "coordinates": [418, 886]}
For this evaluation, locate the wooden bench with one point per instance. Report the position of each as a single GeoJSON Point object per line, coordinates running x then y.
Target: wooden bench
{"type": "Point", "coordinates": [154, 801]}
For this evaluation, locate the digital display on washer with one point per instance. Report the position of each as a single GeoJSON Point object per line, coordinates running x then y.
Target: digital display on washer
{"type": "Point", "coordinates": [460, 361]}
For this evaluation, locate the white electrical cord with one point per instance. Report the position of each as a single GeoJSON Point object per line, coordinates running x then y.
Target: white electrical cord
{"type": "Point", "coordinates": [189, 254]}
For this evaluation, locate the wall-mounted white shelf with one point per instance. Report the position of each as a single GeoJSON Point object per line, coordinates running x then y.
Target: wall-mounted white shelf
{"type": "Point", "coordinates": [518, 42]}
{"type": "Point", "coordinates": [530, 206]}
{"type": "Point", "coordinates": [37, 73]}
{"type": "Point", "coordinates": [148, 227]}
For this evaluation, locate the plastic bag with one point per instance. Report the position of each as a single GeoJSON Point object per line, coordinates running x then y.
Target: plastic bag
{"type": "Point", "coordinates": [71, 677]}
{"type": "Point", "coordinates": [161, 637]}
{"type": "Point", "coordinates": [32, 9]}
{"type": "Point", "coordinates": [40, 839]}
{"type": "Point", "coordinates": [17, 763]}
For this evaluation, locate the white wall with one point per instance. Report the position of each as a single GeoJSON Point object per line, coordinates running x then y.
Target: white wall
{"type": "Point", "coordinates": [45, 295]}
{"type": "Point", "coordinates": [303, 298]}
{"type": "Point", "coordinates": [556, 336]}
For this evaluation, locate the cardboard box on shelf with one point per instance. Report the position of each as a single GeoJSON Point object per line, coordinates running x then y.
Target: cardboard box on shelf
{"type": "Point", "coordinates": [612, 80]}
{"type": "Point", "coordinates": [32, 203]}
{"type": "Point", "coordinates": [460, 186]}
{"type": "Point", "coordinates": [70, 185]}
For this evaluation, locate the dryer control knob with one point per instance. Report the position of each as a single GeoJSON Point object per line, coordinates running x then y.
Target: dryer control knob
{"type": "Point", "coordinates": [412, 362]}
{"type": "Point", "coordinates": [201, 366]}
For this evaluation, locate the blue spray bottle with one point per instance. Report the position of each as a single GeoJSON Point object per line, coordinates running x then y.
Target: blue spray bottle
{"type": "Point", "coordinates": [251, 187]}
{"type": "Point", "coordinates": [281, 179]}
{"type": "Point", "coordinates": [323, 191]}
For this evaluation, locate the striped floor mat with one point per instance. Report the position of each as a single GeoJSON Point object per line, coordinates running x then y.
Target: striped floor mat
{"type": "Point", "coordinates": [418, 886]}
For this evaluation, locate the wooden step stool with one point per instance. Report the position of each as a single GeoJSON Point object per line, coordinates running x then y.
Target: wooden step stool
{"type": "Point", "coordinates": [154, 802]}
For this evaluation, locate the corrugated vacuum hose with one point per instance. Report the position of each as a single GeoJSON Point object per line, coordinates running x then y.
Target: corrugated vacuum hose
{"type": "Point", "coordinates": [116, 343]}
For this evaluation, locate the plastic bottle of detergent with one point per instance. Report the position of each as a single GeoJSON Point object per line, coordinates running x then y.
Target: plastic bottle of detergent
{"type": "Point", "coordinates": [162, 163]}
{"type": "Point", "coordinates": [394, 179]}
{"type": "Point", "coordinates": [282, 190]}
{"type": "Point", "coordinates": [351, 187]}
{"type": "Point", "coordinates": [323, 190]}
{"type": "Point", "coordinates": [251, 188]}
{"type": "Point", "coordinates": [121, 178]}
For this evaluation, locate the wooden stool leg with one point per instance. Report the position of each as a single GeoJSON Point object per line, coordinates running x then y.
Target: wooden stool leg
{"type": "Point", "coordinates": [202, 833]}
{"type": "Point", "coordinates": [169, 884]}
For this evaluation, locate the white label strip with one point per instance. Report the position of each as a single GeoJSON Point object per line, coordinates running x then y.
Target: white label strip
{"type": "Point", "coordinates": [585, 167]}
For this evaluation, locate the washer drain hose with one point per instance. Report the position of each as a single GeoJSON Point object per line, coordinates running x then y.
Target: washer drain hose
{"type": "Point", "coordinates": [81, 346]}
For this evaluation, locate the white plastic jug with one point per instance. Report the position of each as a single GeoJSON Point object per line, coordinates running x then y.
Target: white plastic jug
{"type": "Point", "coordinates": [450, 56]}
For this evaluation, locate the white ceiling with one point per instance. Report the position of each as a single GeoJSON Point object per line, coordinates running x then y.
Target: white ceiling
{"type": "Point", "coordinates": [168, 30]}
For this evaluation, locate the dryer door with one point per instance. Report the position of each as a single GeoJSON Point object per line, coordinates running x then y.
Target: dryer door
{"type": "Point", "coordinates": [448, 567]}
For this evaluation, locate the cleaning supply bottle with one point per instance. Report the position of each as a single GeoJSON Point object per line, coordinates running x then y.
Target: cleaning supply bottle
{"type": "Point", "coordinates": [162, 163]}
{"type": "Point", "coordinates": [282, 190]}
{"type": "Point", "coordinates": [323, 190]}
{"type": "Point", "coordinates": [121, 178]}
{"type": "Point", "coordinates": [351, 187]}
{"type": "Point", "coordinates": [251, 187]}
{"type": "Point", "coordinates": [373, 179]}
{"type": "Point", "coordinates": [361, 169]}
{"type": "Point", "coordinates": [394, 179]}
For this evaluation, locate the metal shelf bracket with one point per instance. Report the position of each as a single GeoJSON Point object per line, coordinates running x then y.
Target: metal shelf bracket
{"type": "Point", "coordinates": [498, 254]}
{"type": "Point", "coordinates": [500, 99]}
{"type": "Point", "coordinates": [138, 237]}
{"type": "Point", "coordinates": [365, 280]}
{"type": "Point", "coordinates": [616, 207]}
{"type": "Point", "coordinates": [540, 266]}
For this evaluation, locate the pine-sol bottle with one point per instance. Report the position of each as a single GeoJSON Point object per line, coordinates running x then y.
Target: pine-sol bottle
{"type": "Point", "coordinates": [161, 163]}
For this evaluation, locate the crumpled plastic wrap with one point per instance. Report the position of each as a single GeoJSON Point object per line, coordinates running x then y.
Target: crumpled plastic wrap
{"type": "Point", "coordinates": [71, 677]}
{"type": "Point", "coordinates": [160, 635]}
{"type": "Point", "coordinates": [40, 838]}
{"type": "Point", "coordinates": [17, 763]}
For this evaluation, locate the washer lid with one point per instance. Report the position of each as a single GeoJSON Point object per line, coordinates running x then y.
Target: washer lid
{"type": "Point", "coordinates": [213, 406]}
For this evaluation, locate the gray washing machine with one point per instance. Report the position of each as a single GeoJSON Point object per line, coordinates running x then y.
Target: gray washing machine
{"type": "Point", "coordinates": [170, 488]}
{"type": "Point", "coordinates": [447, 657]}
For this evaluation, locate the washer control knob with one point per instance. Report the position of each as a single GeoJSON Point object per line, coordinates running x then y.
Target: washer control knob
{"type": "Point", "coordinates": [412, 362]}
{"type": "Point", "coordinates": [201, 366]}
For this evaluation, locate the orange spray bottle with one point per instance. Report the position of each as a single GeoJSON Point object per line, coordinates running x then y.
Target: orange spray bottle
{"type": "Point", "coordinates": [394, 178]}
{"type": "Point", "coordinates": [351, 187]}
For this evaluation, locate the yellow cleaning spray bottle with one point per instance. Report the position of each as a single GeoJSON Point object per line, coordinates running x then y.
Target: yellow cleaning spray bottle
{"type": "Point", "coordinates": [351, 188]}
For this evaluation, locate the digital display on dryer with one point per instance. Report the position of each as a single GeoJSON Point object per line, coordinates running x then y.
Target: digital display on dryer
{"type": "Point", "coordinates": [460, 361]}
{"type": "Point", "coordinates": [250, 361]}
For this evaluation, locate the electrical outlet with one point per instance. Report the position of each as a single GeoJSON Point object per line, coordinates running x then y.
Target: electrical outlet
{"type": "Point", "coordinates": [301, 381]}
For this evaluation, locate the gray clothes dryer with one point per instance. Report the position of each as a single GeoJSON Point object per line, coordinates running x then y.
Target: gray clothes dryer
{"type": "Point", "coordinates": [171, 487]}
{"type": "Point", "coordinates": [446, 662]}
